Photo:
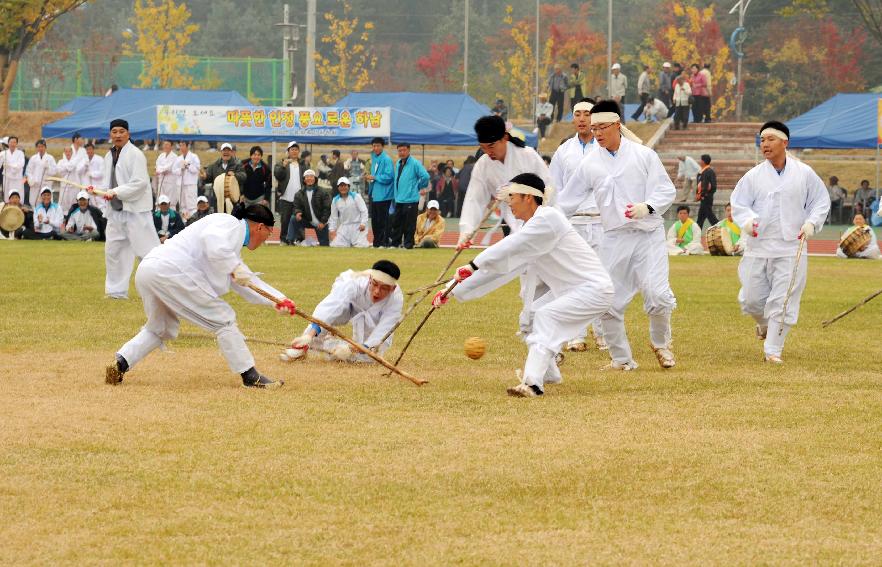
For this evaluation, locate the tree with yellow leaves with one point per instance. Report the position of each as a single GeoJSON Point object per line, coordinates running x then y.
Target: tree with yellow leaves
{"type": "Point", "coordinates": [161, 34]}
{"type": "Point", "coordinates": [349, 64]}
{"type": "Point", "coordinates": [22, 24]}
{"type": "Point", "coordinates": [515, 63]}
{"type": "Point", "coordinates": [692, 35]}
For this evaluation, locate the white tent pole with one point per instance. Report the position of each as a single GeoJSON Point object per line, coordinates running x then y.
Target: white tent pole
{"type": "Point", "coordinates": [273, 177]}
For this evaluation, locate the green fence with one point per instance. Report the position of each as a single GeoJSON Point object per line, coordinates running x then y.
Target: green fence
{"type": "Point", "coordinates": [49, 79]}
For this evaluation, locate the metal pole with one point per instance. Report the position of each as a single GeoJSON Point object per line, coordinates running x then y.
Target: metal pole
{"type": "Point", "coordinates": [531, 107]}
{"type": "Point", "coordinates": [286, 87]}
{"type": "Point", "coordinates": [609, 48]}
{"type": "Point", "coordinates": [739, 95]}
{"type": "Point", "coordinates": [310, 53]}
{"type": "Point", "coordinates": [465, 52]}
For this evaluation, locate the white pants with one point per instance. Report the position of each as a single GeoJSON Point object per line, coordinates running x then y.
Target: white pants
{"type": "Point", "coordinates": [637, 261]}
{"type": "Point", "coordinates": [128, 235]}
{"type": "Point", "coordinates": [687, 190]}
{"type": "Point", "coordinates": [557, 321]}
{"type": "Point", "coordinates": [348, 236]}
{"type": "Point", "coordinates": [169, 295]}
{"type": "Point", "coordinates": [872, 252]}
{"type": "Point", "coordinates": [691, 249]}
{"type": "Point", "coordinates": [172, 190]}
{"type": "Point", "coordinates": [764, 283]}
{"type": "Point", "coordinates": [67, 198]}
{"type": "Point", "coordinates": [10, 185]}
{"type": "Point", "coordinates": [363, 326]}
{"type": "Point", "coordinates": [592, 234]}
{"type": "Point", "coordinates": [188, 199]}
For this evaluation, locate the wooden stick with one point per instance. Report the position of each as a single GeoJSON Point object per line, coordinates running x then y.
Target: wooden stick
{"type": "Point", "coordinates": [426, 287]}
{"type": "Point", "coordinates": [864, 301]}
{"type": "Point", "coordinates": [423, 322]}
{"type": "Point", "coordinates": [440, 279]}
{"type": "Point", "coordinates": [792, 283]}
{"type": "Point", "coordinates": [247, 339]}
{"type": "Point", "coordinates": [332, 330]}
{"type": "Point", "coordinates": [98, 192]}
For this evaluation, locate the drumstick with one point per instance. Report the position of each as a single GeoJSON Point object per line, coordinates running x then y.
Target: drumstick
{"type": "Point", "coordinates": [98, 192]}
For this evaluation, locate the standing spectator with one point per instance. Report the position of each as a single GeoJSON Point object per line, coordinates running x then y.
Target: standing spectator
{"type": "Point", "coordinates": [577, 88]}
{"type": "Point", "coordinates": [70, 170]}
{"type": "Point", "coordinates": [557, 86]}
{"type": "Point", "coordinates": [306, 160]}
{"type": "Point", "coordinates": [682, 98]}
{"type": "Point", "coordinates": [188, 165]}
{"type": "Point", "coordinates": [168, 179]}
{"type": "Point", "coordinates": [429, 227]}
{"type": "Point", "coordinates": [79, 153]}
{"type": "Point", "coordinates": [710, 91]}
{"type": "Point", "coordinates": [94, 176]}
{"type": "Point", "coordinates": [312, 207]}
{"type": "Point", "coordinates": [618, 86]}
{"type": "Point", "coordinates": [499, 109]}
{"type": "Point", "coordinates": [687, 170]}
{"type": "Point", "coordinates": [645, 87]}
{"type": "Point", "coordinates": [863, 195]}
{"type": "Point", "coordinates": [447, 190]}
{"type": "Point", "coordinates": [837, 200]}
{"type": "Point", "coordinates": [465, 175]}
{"type": "Point", "coordinates": [40, 166]}
{"type": "Point", "coordinates": [354, 167]}
{"type": "Point", "coordinates": [452, 165]}
{"type": "Point", "coordinates": [544, 110]}
{"type": "Point", "coordinates": [324, 170]}
{"type": "Point", "coordinates": [166, 221]}
{"type": "Point", "coordinates": [380, 191]}
{"type": "Point", "coordinates": [12, 160]}
{"type": "Point", "coordinates": [411, 178]}
{"type": "Point", "coordinates": [289, 175]}
{"type": "Point", "coordinates": [707, 186]}
{"type": "Point", "coordinates": [348, 220]}
{"type": "Point", "coordinates": [258, 181]}
{"type": "Point", "coordinates": [227, 165]}
{"type": "Point", "coordinates": [701, 104]}
{"type": "Point", "coordinates": [337, 170]}
{"type": "Point", "coordinates": [666, 85]}
{"type": "Point", "coordinates": [676, 72]}
{"type": "Point", "coordinates": [203, 209]}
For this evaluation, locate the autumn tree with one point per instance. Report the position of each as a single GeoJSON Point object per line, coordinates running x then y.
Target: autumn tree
{"type": "Point", "coordinates": [347, 63]}
{"type": "Point", "coordinates": [22, 24]}
{"type": "Point", "coordinates": [162, 32]}
{"type": "Point", "coordinates": [690, 35]}
{"type": "Point", "coordinates": [871, 14]}
{"type": "Point", "coordinates": [515, 62]}
{"type": "Point", "coordinates": [571, 40]}
{"type": "Point", "coordinates": [436, 66]}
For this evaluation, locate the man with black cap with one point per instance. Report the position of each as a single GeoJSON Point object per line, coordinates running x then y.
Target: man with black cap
{"type": "Point", "coordinates": [130, 230]}
{"type": "Point", "coordinates": [185, 279]}
{"type": "Point", "coordinates": [580, 290]}
{"type": "Point", "coordinates": [632, 191]}
{"type": "Point", "coordinates": [371, 300]}
{"type": "Point", "coordinates": [777, 204]}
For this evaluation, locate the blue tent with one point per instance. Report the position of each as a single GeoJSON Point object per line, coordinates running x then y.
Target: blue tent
{"type": "Point", "coordinates": [441, 119]}
{"type": "Point", "coordinates": [848, 120]}
{"type": "Point", "coordinates": [77, 104]}
{"type": "Point", "coordinates": [138, 107]}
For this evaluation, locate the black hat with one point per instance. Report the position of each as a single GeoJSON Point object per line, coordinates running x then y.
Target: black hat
{"type": "Point", "coordinates": [490, 129]}
{"type": "Point", "coordinates": [256, 213]}
{"type": "Point", "coordinates": [119, 122]}
{"type": "Point", "coordinates": [387, 267]}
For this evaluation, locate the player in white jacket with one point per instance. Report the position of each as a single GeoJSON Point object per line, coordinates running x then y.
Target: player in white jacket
{"type": "Point", "coordinates": [186, 277]}
{"type": "Point", "coordinates": [349, 216]}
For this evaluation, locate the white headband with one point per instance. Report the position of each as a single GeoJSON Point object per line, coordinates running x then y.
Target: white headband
{"type": "Point", "coordinates": [506, 191]}
{"type": "Point", "coordinates": [381, 277]}
{"type": "Point", "coordinates": [583, 106]}
{"type": "Point", "coordinates": [774, 132]}
{"type": "Point", "coordinates": [606, 117]}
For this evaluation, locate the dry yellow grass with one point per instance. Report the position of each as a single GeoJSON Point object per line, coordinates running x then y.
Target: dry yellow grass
{"type": "Point", "coordinates": [722, 460]}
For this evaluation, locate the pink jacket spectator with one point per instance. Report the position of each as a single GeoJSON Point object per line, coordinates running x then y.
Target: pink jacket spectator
{"type": "Point", "coordinates": [699, 85]}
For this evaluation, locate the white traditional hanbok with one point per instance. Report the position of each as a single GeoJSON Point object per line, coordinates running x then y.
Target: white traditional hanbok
{"type": "Point", "coordinates": [71, 170]}
{"type": "Point", "coordinates": [13, 163]}
{"type": "Point", "coordinates": [690, 235]}
{"type": "Point", "coordinates": [168, 178]}
{"type": "Point", "coordinates": [347, 216]}
{"type": "Point", "coordinates": [188, 165]}
{"type": "Point", "coordinates": [39, 168]}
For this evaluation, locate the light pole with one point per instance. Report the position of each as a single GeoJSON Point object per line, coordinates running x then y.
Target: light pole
{"type": "Point", "coordinates": [290, 39]}
{"type": "Point", "coordinates": [609, 48]}
{"type": "Point", "coordinates": [465, 53]}
{"type": "Point", "coordinates": [735, 42]}
{"type": "Point", "coordinates": [530, 108]}
{"type": "Point", "coordinates": [310, 53]}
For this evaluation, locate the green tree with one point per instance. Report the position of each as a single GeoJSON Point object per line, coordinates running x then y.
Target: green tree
{"type": "Point", "coordinates": [23, 23]}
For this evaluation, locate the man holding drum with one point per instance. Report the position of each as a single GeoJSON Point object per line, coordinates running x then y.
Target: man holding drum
{"type": "Point", "coordinates": [859, 241]}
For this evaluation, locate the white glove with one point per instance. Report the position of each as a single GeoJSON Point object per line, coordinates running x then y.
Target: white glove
{"type": "Point", "coordinates": [341, 352]}
{"type": "Point", "coordinates": [750, 227]}
{"type": "Point", "coordinates": [302, 342]}
{"type": "Point", "coordinates": [807, 230]}
{"type": "Point", "coordinates": [637, 211]}
{"type": "Point", "coordinates": [241, 275]}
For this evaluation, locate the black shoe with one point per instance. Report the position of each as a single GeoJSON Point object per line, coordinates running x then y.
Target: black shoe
{"type": "Point", "coordinates": [113, 374]}
{"type": "Point", "coordinates": [258, 380]}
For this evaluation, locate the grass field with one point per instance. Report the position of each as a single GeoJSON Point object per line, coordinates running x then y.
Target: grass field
{"type": "Point", "coordinates": [722, 460]}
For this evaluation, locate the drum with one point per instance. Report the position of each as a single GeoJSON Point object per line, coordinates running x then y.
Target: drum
{"type": "Point", "coordinates": [719, 242]}
{"type": "Point", "coordinates": [11, 218]}
{"type": "Point", "coordinates": [855, 241]}
{"type": "Point", "coordinates": [226, 191]}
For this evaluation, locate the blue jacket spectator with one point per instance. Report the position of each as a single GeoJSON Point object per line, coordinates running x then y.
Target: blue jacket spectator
{"type": "Point", "coordinates": [409, 179]}
{"type": "Point", "coordinates": [382, 188]}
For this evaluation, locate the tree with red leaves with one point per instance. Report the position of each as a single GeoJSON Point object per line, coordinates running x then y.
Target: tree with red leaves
{"type": "Point", "coordinates": [436, 66]}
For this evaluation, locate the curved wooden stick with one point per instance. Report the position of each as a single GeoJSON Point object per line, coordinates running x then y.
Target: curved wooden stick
{"type": "Point", "coordinates": [792, 283]}
{"type": "Point", "coordinates": [829, 322]}
{"type": "Point", "coordinates": [332, 330]}
{"type": "Point", "coordinates": [98, 192]}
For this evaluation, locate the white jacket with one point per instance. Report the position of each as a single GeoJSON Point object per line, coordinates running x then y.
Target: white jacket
{"type": "Point", "coordinates": [191, 173]}
{"type": "Point", "coordinates": [349, 211]}
{"type": "Point", "coordinates": [133, 182]}
{"type": "Point", "coordinates": [39, 168]}
{"type": "Point", "coordinates": [95, 172]}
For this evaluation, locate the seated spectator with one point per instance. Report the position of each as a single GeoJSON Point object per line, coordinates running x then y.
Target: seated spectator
{"type": "Point", "coordinates": [446, 191]}
{"type": "Point", "coordinates": [47, 219]}
{"type": "Point", "coordinates": [729, 225]}
{"type": "Point", "coordinates": [544, 110]}
{"type": "Point", "coordinates": [429, 227]}
{"type": "Point", "coordinates": [687, 170]}
{"type": "Point", "coordinates": [312, 207]}
{"type": "Point", "coordinates": [14, 201]}
{"type": "Point", "coordinates": [837, 200]}
{"type": "Point", "coordinates": [167, 222]}
{"type": "Point", "coordinates": [349, 217]}
{"type": "Point", "coordinates": [871, 250]}
{"type": "Point", "coordinates": [863, 195]}
{"type": "Point", "coordinates": [684, 236]}
{"type": "Point", "coordinates": [875, 216]}
{"type": "Point", "coordinates": [654, 110]}
{"type": "Point", "coordinates": [258, 180]}
{"type": "Point", "coordinates": [83, 221]}
{"type": "Point", "coordinates": [203, 209]}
